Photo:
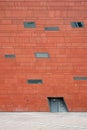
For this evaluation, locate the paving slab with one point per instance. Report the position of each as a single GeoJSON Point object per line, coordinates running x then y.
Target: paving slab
{"type": "Point", "coordinates": [43, 121]}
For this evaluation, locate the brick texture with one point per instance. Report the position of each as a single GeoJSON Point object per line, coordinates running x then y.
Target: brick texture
{"type": "Point", "coordinates": [67, 48]}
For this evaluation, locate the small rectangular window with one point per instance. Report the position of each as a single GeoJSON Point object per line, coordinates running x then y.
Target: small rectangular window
{"type": "Point", "coordinates": [42, 55]}
{"type": "Point", "coordinates": [29, 24]}
{"type": "Point", "coordinates": [10, 56]}
{"type": "Point", "coordinates": [34, 81]}
{"type": "Point", "coordinates": [80, 78]}
{"type": "Point", "coordinates": [51, 28]}
{"type": "Point", "coordinates": [77, 24]}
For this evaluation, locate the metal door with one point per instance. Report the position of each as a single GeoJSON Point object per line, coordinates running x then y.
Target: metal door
{"type": "Point", "coordinates": [54, 105]}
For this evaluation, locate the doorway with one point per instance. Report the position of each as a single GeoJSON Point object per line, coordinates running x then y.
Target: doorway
{"type": "Point", "coordinates": [57, 104]}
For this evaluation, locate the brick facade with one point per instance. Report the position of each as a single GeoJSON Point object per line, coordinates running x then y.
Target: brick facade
{"type": "Point", "coordinates": [66, 46]}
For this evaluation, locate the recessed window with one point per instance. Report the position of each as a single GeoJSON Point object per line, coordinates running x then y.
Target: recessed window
{"type": "Point", "coordinates": [29, 24]}
{"type": "Point", "coordinates": [34, 81]}
{"type": "Point", "coordinates": [80, 78]}
{"type": "Point", "coordinates": [77, 24]}
{"type": "Point", "coordinates": [51, 28]}
{"type": "Point", "coordinates": [10, 56]}
{"type": "Point", "coordinates": [42, 55]}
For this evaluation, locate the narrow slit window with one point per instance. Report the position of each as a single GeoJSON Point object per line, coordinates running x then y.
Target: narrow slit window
{"type": "Point", "coordinates": [80, 78]}
{"type": "Point", "coordinates": [51, 28]}
{"type": "Point", "coordinates": [77, 24]}
{"type": "Point", "coordinates": [10, 56]}
{"type": "Point", "coordinates": [29, 24]}
{"type": "Point", "coordinates": [42, 55]}
{"type": "Point", "coordinates": [34, 81]}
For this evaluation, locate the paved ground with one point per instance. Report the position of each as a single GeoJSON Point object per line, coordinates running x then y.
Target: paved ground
{"type": "Point", "coordinates": [43, 121]}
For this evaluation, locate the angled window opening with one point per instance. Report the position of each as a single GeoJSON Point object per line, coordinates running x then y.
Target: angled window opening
{"type": "Point", "coordinates": [51, 28]}
{"type": "Point", "coordinates": [57, 104]}
{"type": "Point", "coordinates": [42, 55]}
{"type": "Point", "coordinates": [77, 24]}
{"type": "Point", "coordinates": [9, 56]}
{"type": "Point", "coordinates": [80, 78]}
{"type": "Point", "coordinates": [34, 81]}
{"type": "Point", "coordinates": [29, 25]}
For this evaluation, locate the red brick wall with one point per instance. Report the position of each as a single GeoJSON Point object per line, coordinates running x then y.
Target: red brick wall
{"type": "Point", "coordinates": [67, 48]}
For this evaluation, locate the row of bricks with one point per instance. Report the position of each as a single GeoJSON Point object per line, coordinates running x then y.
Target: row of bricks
{"type": "Point", "coordinates": [51, 61]}
{"type": "Point", "coordinates": [45, 46]}
{"type": "Point", "coordinates": [65, 45]}
{"type": "Point", "coordinates": [65, 87]}
{"type": "Point", "coordinates": [66, 71]}
{"type": "Point", "coordinates": [40, 21]}
{"type": "Point", "coordinates": [43, 3]}
{"type": "Point", "coordinates": [47, 77]}
{"type": "Point", "coordinates": [68, 96]}
{"type": "Point", "coordinates": [37, 90]}
{"type": "Point", "coordinates": [44, 8]}
{"type": "Point", "coordinates": [7, 81]}
{"type": "Point", "coordinates": [44, 35]}
{"type": "Point", "coordinates": [26, 100]}
{"type": "Point", "coordinates": [40, 91]}
{"type": "Point", "coordinates": [42, 67]}
{"type": "Point", "coordinates": [53, 51]}
{"type": "Point", "coordinates": [60, 65]}
{"type": "Point", "coordinates": [32, 89]}
{"type": "Point", "coordinates": [28, 66]}
{"type": "Point", "coordinates": [44, 14]}
{"type": "Point", "coordinates": [59, 45]}
{"type": "Point", "coordinates": [23, 99]}
{"type": "Point", "coordinates": [46, 40]}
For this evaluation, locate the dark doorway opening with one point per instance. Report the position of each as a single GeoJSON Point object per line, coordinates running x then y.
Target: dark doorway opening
{"type": "Point", "coordinates": [57, 104]}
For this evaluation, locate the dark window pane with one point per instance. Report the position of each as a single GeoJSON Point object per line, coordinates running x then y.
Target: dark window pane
{"type": "Point", "coordinates": [9, 56]}
{"type": "Point", "coordinates": [34, 81]}
{"type": "Point", "coordinates": [77, 24]}
{"type": "Point", "coordinates": [80, 24]}
{"type": "Point", "coordinates": [80, 78]}
{"type": "Point", "coordinates": [29, 24]}
{"type": "Point", "coordinates": [51, 28]}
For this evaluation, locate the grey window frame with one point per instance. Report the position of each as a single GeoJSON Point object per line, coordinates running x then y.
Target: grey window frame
{"type": "Point", "coordinates": [42, 55]}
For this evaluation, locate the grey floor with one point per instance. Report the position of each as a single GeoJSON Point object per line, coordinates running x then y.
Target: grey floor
{"type": "Point", "coordinates": [43, 121]}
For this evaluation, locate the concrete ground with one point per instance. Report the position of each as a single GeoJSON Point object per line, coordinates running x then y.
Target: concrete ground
{"type": "Point", "coordinates": [43, 121]}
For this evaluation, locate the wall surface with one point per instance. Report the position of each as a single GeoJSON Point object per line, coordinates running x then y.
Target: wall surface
{"type": "Point", "coordinates": [67, 48]}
